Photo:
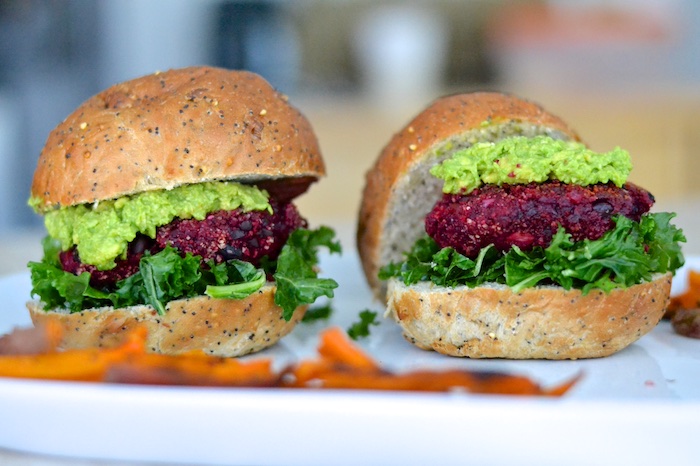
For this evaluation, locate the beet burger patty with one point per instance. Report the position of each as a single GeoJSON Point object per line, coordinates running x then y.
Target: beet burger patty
{"type": "Point", "coordinates": [529, 215]}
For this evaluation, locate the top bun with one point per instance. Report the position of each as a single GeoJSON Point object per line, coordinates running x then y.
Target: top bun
{"type": "Point", "coordinates": [400, 191]}
{"type": "Point", "coordinates": [172, 128]}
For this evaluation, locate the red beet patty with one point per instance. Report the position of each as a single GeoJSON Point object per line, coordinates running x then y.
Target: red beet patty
{"type": "Point", "coordinates": [529, 215]}
{"type": "Point", "coordinates": [220, 236]}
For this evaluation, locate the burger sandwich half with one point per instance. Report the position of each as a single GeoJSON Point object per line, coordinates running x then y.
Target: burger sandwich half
{"type": "Point", "coordinates": [168, 205]}
{"type": "Point", "coordinates": [492, 231]}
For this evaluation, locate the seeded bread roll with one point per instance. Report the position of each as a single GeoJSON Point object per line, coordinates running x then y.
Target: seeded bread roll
{"type": "Point", "coordinates": [488, 321]}
{"type": "Point", "coordinates": [222, 327]}
{"type": "Point", "coordinates": [399, 191]}
{"type": "Point", "coordinates": [545, 322]}
{"type": "Point", "coordinates": [172, 128]}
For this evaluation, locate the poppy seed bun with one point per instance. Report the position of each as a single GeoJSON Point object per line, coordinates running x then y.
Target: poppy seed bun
{"type": "Point", "coordinates": [222, 327]}
{"type": "Point", "coordinates": [488, 321]}
{"type": "Point", "coordinates": [544, 322]}
{"type": "Point", "coordinates": [172, 128]}
{"type": "Point", "coordinates": [399, 191]}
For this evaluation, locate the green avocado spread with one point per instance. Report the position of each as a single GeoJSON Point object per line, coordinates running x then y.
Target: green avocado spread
{"type": "Point", "coordinates": [521, 160]}
{"type": "Point", "coordinates": [102, 231]}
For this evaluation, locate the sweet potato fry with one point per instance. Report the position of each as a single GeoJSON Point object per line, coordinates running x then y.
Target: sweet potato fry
{"type": "Point", "coordinates": [433, 381]}
{"type": "Point", "coordinates": [335, 346]}
{"type": "Point", "coordinates": [340, 365]}
{"type": "Point", "coordinates": [77, 365]}
{"type": "Point", "coordinates": [193, 369]}
{"type": "Point", "coordinates": [130, 363]}
{"type": "Point", "coordinates": [683, 310]}
{"type": "Point", "coordinates": [305, 371]}
{"type": "Point", "coordinates": [689, 299]}
{"type": "Point", "coordinates": [33, 340]}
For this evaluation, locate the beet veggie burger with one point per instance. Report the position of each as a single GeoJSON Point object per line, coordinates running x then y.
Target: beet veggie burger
{"type": "Point", "coordinates": [493, 232]}
{"type": "Point", "coordinates": [168, 203]}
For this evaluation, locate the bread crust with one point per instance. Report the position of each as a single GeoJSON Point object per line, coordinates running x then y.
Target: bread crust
{"type": "Point", "coordinates": [537, 323]}
{"type": "Point", "coordinates": [221, 327]}
{"type": "Point", "coordinates": [172, 128]}
{"type": "Point", "coordinates": [448, 124]}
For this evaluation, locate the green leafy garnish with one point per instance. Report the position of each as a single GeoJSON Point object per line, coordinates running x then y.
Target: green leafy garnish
{"type": "Point", "coordinates": [58, 288]}
{"type": "Point", "coordinates": [167, 275]}
{"type": "Point", "coordinates": [162, 277]}
{"type": "Point", "coordinates": [296, 277]}
{"type": "Point", "coordinates": [362, 328]}
{"type": "Point", "coordinates": [317, 313]}
{"type": "Point", "coordinates": [628, 254]}
{"type": "Point", "coordinates": [238, 290]}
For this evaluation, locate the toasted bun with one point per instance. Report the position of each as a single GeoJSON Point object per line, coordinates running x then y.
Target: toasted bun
{"type": "Point", "coordinates": [537, 323]}
{"type": "Point", "coordinates": [399, 191]}
{"type": "Point", "coordinates": [222, 327]}
{"type": "Point", "coordinates": [172, 128]}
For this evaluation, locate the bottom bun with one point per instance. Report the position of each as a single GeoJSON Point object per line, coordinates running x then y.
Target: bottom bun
{"type": "Point", "coordinates": [222, 327]}
{"type": "Point", "coordinates": [545, 322]}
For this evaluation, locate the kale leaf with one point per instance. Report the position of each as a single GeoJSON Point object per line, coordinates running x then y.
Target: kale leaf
{"type": "Point", "coordinates": [168, 275]}
{"type": "Point", "coordinates": [628, 254]}
{"type": "Point", "coordinates": [361, 328]}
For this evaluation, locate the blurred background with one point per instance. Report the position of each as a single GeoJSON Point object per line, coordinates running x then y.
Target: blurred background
{"type": "Point", "coordinates": [622, 72]}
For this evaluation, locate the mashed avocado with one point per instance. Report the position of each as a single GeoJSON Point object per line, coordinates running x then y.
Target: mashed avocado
{"type": "Point", "coordinates": [102, 231]}
{"type": "Point", "coordinates": [520, 160]}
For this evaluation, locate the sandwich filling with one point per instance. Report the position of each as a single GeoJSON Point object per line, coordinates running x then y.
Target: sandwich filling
{"type": "Point", "coordinates": [222, 239]}
{"type": "Point", "coordinates": [101, 232]}
{"type": "Point", "coordinates": [526, 211]}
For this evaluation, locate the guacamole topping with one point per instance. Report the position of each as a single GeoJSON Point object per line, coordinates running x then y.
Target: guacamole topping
{"type": "Point", "coordinates": [102, 231]}
{"type": "Point", "coordinates": [522, 160]}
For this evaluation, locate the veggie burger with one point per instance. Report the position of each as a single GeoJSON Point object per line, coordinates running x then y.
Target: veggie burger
{"type": "Point", "coordinates": [492, 232]}
{"type": "Point", "coordinates": [168, 205]}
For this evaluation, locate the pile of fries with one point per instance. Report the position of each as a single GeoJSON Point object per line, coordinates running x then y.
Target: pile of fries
{"type": "Point", "coordinates": [684, 310]}
{"type": "Point", "coordinates": [340, 365]}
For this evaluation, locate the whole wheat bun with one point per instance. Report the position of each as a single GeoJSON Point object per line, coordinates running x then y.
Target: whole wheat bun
{"type": "Point", "coordinates": [489, 321]}
{"type": "Point", "coordinates": [164, 130]}
{"type": "Point", "coordinates": [222, 327]}
{"type": "Point", "coordinates": [176, 127]}
{"type": "Point", "coordinates": [545, 322]}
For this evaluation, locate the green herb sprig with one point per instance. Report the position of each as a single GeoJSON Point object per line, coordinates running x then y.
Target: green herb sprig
{"type": "Point", "coordinates": [361, 328]}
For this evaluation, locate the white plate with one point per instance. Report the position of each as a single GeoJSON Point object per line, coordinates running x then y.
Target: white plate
{"type": "Point", "coordinates": [640, 406]}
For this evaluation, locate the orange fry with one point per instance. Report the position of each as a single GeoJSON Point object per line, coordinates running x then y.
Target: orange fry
{"type": "Point", "coordinates": [431, 381]}
{"type": "Point", "coordinates": [130, 363]}
{"type": "Point", "coordinates": [343, 365]}
{"type": "Point", "coordinates": [308, 370]}
{"type": "Point", "coordinates": [336, 347]}
{"type": "Point", "coordinates": [34, 340]}
{"type": "Point", "coordinates": [193, 369]}
{"type": "Point", "coordinates": [340, 365]}
{"type": "Point", "coordinates": [77, 365]}
{"type": "Point", "coordinates": [689, 299]}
